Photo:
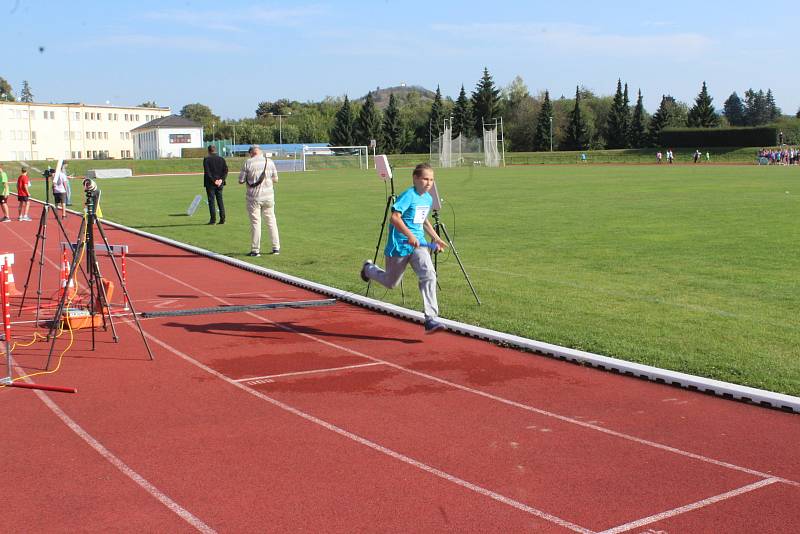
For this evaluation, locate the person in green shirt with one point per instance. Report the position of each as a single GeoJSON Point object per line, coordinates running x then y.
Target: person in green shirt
{"type": "Point", "coordinates": [4, 195]}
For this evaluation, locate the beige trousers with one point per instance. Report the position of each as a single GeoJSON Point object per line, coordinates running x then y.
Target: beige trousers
{"type": "Point", "coordinates": [256, 208]}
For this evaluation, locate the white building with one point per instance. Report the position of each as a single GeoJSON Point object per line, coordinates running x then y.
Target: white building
{"type": "Point", "coordinates": [31, 131]}
{"type": "Point", "coordinates": [165, 137]}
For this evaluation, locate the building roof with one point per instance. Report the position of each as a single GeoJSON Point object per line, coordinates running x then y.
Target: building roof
{"type": "Point", "coordinates": [170, 121]}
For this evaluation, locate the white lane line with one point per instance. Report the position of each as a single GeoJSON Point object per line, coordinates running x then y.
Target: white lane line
{"type": "Point", "coordinates": [486, 395]}
{"type": "Point", "coordinates": [375, 446]}
{"type": "Point", "coordinates": [173, 506]}
{"type": "Point", "coordinates": [267, 377]}
{"type": "Point", "coordinates": [689, 507]}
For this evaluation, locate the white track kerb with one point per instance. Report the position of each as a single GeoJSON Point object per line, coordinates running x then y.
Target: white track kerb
{"type": "Point", "coordinates": [663, 376]}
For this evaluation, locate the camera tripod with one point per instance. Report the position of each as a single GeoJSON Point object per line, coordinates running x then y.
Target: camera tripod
{"type": "Point", "coordinates": [98, 297]}
{"type": "Point", "coordinates": [39, 246]}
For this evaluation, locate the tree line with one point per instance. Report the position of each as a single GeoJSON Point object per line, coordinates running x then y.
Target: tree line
{"type": "Point", "coordinates": [411, 121]}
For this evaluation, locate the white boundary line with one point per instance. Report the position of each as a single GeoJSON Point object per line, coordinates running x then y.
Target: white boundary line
{"type": "Point", "coordinates": [490, 396]}
{"type": "Point", "coordinates": [375, 446]}
{"type": "Point", "coordinates": [690, 507]}
{"type": "Point", "coordinates": [111, 458]}
{"type": "Point", "coordinates": [696, 383]}
{"type": "Point", "coordinates": [328, 370]}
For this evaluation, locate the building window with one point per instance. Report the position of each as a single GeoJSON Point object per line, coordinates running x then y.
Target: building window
{"type": "Point", "coordinates": [180, 138]}
{"type": "Point", "coordinates": [76, 115]}
{"type": "Point", "coordinates": [33, 114]}
{"type": "Point", "coordinates": [126, 116]}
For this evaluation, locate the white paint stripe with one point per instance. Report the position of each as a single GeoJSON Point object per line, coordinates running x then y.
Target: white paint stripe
{"type": "Point", "coordinates": [508, 402]}
{"type": "Point", "coordinates": [122, 466]}
{"type": "Point", "coordinates": [690, 507]}
{"type": "Point", "coordinates": [248, 380]}
{"type": "Point", "coordinates": [375, 446]}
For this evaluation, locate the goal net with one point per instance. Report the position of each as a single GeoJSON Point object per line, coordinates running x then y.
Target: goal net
{"type": "Point", "coordinates": [316, 158]}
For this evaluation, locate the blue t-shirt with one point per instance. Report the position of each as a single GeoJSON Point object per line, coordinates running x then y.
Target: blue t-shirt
{"type": "Point", "coordinates": [414, 209]}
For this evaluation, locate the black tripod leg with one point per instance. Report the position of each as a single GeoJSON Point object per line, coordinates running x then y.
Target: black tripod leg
{"type": "Point", "coordinates": [41, 233]}
{"type": "Point", "coordinates": [125, 291]}
{"type": "Point", "coordinates": [59, 314]}
{"type": "Point", "coordinates": [455, 253]}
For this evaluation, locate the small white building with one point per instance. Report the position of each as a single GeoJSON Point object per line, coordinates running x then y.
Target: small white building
{"type": "Point", "coordinates": [165, 137]}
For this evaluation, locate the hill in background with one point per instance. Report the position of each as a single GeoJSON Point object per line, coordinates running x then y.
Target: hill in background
{"type": "Point", "coordinates": [381, 96]}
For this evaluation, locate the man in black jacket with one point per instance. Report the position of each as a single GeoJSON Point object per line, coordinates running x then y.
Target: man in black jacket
{"type": "Point", "coordinates": [215, 170]}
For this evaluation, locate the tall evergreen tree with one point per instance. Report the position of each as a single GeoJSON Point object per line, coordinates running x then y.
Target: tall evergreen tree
{"type": "Point", "coordinates": [26, 95]}
{"type": "Point", "coordinates": [368, 124]}
{"type": "Point", "coordinates": [637, 136]}
{"type": "Point", "coordinates": [343, 126]}
{"type": "Point", "coordinates": [393, 132]}
{"type": "Point", "coordinates": [660, 120]}
{"type": "Point", "coordinates": [462, 116]}
{"type": "Point", "coordinates": [702, 114]}
{"type": "Point", "coordinates": [485, 102]}
{"type": "Point", "coordinates": [773, 111]}
{"type": "Point", "coordinates": [542, 134]}
{"type": "Point", "coordinates": [626, 104]}
{"type": "Point", "coordinates": [577, 136]}
{"type": "Point", "coordinates": [733, 109]}
{"type": "Point", "coordinates": [755, 108]}
{"type": "Point", "coordinates": [436, 115]}
{"type": "Point", "coordinates": [617, 125]}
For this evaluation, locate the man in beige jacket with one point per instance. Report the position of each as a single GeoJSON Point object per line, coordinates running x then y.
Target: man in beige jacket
{"type": "Point", "coordinates": [259, 175]}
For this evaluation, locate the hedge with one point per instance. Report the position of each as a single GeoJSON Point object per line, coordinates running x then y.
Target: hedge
{"type": "Point", "coordinates": [704, 137]}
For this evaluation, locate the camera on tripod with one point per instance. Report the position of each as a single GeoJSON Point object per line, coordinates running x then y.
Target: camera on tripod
{"type": "Point", "coordinates": [48, 172]}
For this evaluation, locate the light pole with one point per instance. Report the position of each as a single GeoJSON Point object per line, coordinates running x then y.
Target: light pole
{"type": "Point", "coordinates": [551, 134]}
{"type": "Point", "coordinates": [280, 127]}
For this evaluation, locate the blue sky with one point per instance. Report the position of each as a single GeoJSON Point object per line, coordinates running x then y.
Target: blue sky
{"type": "Point", "coordinates": [232, 54]}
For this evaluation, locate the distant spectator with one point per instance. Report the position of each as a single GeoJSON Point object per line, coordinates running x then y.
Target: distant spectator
{"type": "Point", "coordinates": [4, 195]}
{"type": "Point", "coordinates": [696, 156]}
{"type": "Point", "coordinates": [708, 156]}
{"type": "Point", "coordinates": [215, 171]}
{"type": "Point", "coordinates": [658, 156]}
{"type": "Point", "coordinates": [23, 194]}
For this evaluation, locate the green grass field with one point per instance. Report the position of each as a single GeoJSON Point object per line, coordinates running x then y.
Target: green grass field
{"type": "Point", "coordinates": [690, 268]}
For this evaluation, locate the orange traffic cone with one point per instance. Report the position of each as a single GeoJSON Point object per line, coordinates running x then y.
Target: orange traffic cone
{"type": "Point", "coordinates": [65, 280]}
{"type": "Point", "coordinates": [6, 261]}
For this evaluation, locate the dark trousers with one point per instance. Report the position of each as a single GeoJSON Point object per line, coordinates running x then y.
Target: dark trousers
{"type": "Point", "coordinates": [215, 195]}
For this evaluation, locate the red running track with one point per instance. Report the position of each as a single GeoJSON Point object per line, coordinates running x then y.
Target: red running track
{"type": "Point", "coordinates": [340, 419]}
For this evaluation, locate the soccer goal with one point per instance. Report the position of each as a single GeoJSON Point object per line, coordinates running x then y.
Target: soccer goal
{"type": "Point", "coordinates": [317, 158]}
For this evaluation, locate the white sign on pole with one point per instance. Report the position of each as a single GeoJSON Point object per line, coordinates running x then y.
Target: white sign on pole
{"type": "Point", "coordinates": [193, 205]}
{"type": "Point", "coordinates": [383, 168]}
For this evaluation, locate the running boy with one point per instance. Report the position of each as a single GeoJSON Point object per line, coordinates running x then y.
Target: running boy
{"type": "Point", "coordinates": [4, 195]}
{"type": "Point", "coordinates": [24, 194]}
{"type": "Point", "coordinates": [406, 244]}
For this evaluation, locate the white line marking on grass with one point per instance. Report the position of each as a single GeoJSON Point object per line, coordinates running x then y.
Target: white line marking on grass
{"type": "Point", "coordinates": [375, 446]}
{"type": "Point", "coordinates": [502, 400]}
{"type": "Point", "coordinates": [330, 369]}
{"type": "Point", "coordinates": [173, 506]}
{"type": "Point", "coordinates": [690, 507]}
